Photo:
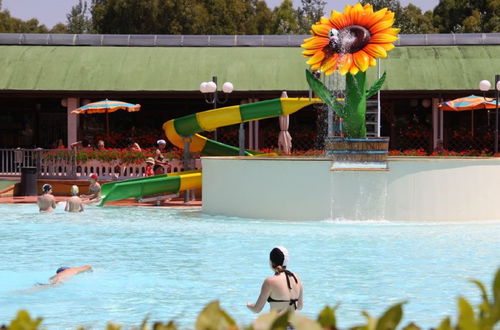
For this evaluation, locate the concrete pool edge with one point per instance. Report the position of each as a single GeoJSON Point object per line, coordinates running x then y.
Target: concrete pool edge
{"type": "Point", "coordinates": [304, 188]}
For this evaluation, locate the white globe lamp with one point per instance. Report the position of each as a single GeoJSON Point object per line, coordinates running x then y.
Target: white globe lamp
{"type": "Point", "coordinates": [211, 87]}
{"type": "Point", "coordinates": [227, 87]}
{"type": "Point", "coordinates": [484, 85]}
{"type": "Point", "coordinates": [204, 87]}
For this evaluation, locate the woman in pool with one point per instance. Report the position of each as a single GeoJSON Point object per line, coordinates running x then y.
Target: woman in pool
{"type": "Point", "coordinates": [283, 290]}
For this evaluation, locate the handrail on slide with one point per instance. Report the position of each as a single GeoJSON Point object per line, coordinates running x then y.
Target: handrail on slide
{"type": "Point", "coordinates": [177, 130]}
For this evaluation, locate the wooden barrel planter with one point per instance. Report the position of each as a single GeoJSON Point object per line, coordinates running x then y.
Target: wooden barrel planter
{"type": "Point", "coordinates": [358, 150]}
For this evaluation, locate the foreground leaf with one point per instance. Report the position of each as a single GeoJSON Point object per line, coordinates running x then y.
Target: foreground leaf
{"type": "Point", "coordinates": [23, 321]}
{"type": "Point", "coordinates": [466, 319]}
{"type": "Point", "coordinates": [445, 324]}
{"type": "Point", "coordinates": [327, 319]}
{"type": "Point", "coordinates": [213, 317]}
{"type": "Point", "coordinates": [391, 318]}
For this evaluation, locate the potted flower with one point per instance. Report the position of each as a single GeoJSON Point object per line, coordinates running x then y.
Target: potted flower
{"type": "Point", "coordinates": [350, 42]}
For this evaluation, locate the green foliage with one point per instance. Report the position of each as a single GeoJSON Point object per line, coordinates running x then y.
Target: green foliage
{"type": "Point", "coordinates": [78, 20]}
{"type": "Point", "coordinates": [213, 317]}
{"type": "Point", "coordinates": [285, 19]}
{"type": "Point", "coordinates": [9, 24]}
{"type": "Point", "coordinates": [309, 13]}
{"type": "Point", "coordinates": [23, 321]}
{"type": "Point", "coordinates": [327, 319]}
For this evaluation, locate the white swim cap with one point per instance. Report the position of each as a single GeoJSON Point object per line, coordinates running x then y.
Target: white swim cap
{"type": "Point", "coordinates": [161, 142]}
{"type": "Point", "coordinates": [74, 189]}
{"type": "Point", "coordinates": [279, 256]}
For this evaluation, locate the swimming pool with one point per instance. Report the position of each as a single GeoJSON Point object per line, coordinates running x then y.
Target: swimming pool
{"type": "Point", "coordinates": [169, 263]}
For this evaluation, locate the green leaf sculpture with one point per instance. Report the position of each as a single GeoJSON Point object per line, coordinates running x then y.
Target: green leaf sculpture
{"type": "Point", "coordinates": [353, 112]}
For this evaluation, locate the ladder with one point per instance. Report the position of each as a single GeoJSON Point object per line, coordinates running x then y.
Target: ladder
{"type": "Point", "coordinates": [371, 118]}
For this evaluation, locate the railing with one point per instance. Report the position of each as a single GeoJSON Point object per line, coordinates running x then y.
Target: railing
{"type": "Point", "coordinates": [63, 164]}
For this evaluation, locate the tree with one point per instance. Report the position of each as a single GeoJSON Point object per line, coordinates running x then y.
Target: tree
{"type": "Point", "coordinates": [78, 20]}
{"type": "Point", "coordinates": [467, 16]}
{"type": "Point", "coordinates": [285, 19]}
{"type": "Point", "coordinates": [309, 13]}
{"type": "Point", "coordinates": [59, 28]}
{"type": "Point", "coordinates": [412, 20]}
{"type": "Point", "coordinates": [9, 24]}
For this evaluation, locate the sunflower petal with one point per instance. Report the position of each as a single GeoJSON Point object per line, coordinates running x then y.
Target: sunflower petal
{"type": "Point", "coordinates": [382, 25]}
{"type": "Point", "coordinates": [376, 17]}
{"type": "Point", "coordinates": [393, 31]}
{"type": "Point", "coordinates": [361, 60]}
{"type": "Point", "coordinates": [337, 20]}
{"type": "Point", "coordinates": [356, 13]}
{"type": "Point", "coordinates": [330, 63]}
{"type": "Point", "coordinates": [329, 71]}
{"type": "Point", "coordinates": [380, 38]}
{"type": "Point", "coordinates": [373, 61]}
{"type": "Point", "coordinates": [309, 52]}
{"type": "Point", "coordinates": [316, 43]}
{"type": "Point", "coordinates": [345, 63]}
{"type": "Point", "coordinates": [316, 58]}
{"type": "Point", "coordinates": [375, 51]}
{"type": "Point", "coordinates": [354, 70]}
{"type": "Point", "coordinates": [388, 47]}
{"type": "Point", "coordinates": [321, 29]}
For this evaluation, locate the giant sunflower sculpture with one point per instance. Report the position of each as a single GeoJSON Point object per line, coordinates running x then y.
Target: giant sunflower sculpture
{"type": "Point", "coordinates": [350, 42]}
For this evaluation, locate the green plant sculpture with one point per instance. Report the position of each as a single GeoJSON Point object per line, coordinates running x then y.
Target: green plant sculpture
{"type": "Point", "coordinates": [350, 42]}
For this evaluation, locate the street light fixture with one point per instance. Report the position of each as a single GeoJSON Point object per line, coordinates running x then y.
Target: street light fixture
{"type": "Point", "coordinates": [485, 86]}
{"type": "Point", "coordinates": [209, 90]}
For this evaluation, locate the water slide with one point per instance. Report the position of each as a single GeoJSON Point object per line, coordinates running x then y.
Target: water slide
{"type": "Point", "coordinates": [187, 127]}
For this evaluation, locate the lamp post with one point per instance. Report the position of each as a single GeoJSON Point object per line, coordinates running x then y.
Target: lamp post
{"type": "Point", "coordinates": [209, 90]}
{"type": "Point", "coordinates": [485, 86]}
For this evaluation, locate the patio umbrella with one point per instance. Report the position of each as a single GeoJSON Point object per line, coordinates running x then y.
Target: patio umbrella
{"type": "Point", "coordinates": [471, 102]}
{"type": "Point", "coordinates": [284, 137]}
{"type": "Point", "coordinates": [106, 107]}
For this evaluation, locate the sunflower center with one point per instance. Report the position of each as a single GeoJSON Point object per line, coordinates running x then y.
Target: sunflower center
{"type": "Point", "coordinates": [349, 39]}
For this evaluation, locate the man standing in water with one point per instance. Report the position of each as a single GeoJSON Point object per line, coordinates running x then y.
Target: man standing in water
{"type": "Point", "coordinates": [46, 202]}
{"type": "Point", "coordinates": [94, 193]}
{"type": "Point", "coordinates": [74, 203]}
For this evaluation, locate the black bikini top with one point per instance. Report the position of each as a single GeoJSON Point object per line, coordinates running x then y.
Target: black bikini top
{"type": "Point", "coordinates": [292, 302]}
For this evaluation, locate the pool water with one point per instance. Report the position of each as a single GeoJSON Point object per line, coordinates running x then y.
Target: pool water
{"type": "Point", "coordinates": [167, 264]}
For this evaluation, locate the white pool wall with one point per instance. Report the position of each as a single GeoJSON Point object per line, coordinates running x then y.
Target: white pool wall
{"type": "Point", "coordinates": [413, 189]}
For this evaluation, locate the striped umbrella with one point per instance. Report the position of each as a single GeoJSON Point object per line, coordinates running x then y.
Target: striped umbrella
{"type": "Point", "coordinates": [106, 107]}
{"type": "Point", "coordinates": [471, 102]}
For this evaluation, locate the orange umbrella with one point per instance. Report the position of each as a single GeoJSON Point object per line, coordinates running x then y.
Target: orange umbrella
{"type": "Point", "coordinates": [471, 102]}
{"type": "Point", "coordinates": [106, 107]}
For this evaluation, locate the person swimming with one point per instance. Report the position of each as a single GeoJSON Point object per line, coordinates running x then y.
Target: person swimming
{"type": "Point", "coordinates": [65, 273]}
{"type": "Point", "coordinates": [62, 274]}
{"type": "Point", "coordinates": [46, 202]}
{"type": "Point", "coordinates": [284, 289]}
{"type": "Point", "coordinates": [74, 203]}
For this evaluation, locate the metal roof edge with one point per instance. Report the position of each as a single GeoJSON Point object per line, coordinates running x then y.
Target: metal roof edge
{"type": "Point", "coordinates": [147, 40]}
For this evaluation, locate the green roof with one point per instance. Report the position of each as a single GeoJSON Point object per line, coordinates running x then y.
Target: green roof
{"type": "Point", "coordinates": [80, 68]}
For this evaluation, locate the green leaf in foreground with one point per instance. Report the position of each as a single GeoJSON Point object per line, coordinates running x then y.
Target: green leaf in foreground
{"type": "Point", "coordinates": [391, 318]}
{"type": "Point", "coordinates": [327, 319]}
{"type": "Point", "coordinates": [213, 317]}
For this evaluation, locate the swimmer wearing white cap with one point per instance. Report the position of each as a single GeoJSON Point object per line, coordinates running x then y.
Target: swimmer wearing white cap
{"type": "Point", "coordinates": [284, 289]}
{"type": "Point", "coordinates": [74, 203]}
{"type": "Point", "coordinates": [46, 202]}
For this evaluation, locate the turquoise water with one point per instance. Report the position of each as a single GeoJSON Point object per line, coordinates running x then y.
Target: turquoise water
{"type": "Point", "coordinates": [169, 263]}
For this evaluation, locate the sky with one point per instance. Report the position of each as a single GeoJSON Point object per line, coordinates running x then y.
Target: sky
{"type": "Point", "coordinates": [51, 12]}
